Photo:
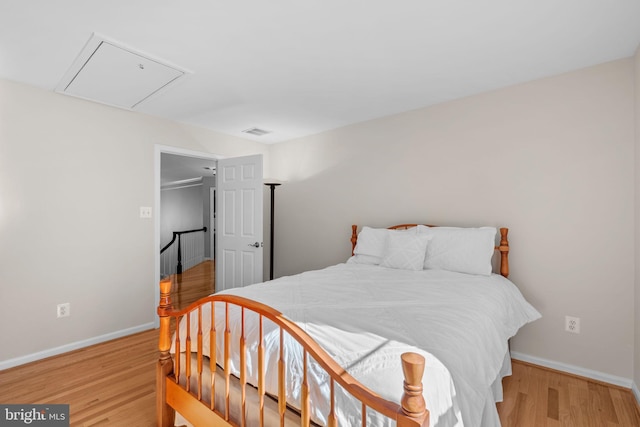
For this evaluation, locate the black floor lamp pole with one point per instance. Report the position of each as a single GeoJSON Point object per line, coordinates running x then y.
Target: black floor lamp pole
{"type": "Point", "coordinates": [273, 186]}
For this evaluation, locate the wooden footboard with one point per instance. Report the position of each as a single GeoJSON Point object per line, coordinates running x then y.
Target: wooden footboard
{"type": "Point", "coordinates": [188, 396]}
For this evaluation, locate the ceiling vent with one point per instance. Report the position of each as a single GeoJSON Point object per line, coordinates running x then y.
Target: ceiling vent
{"type": "Point", "coordinates": [256, 131]}
{"type": "Point", "coordinates": [110, 73]}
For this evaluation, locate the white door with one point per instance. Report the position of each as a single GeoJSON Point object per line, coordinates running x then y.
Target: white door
{"type": "Point", "coordinates": [239, 222]}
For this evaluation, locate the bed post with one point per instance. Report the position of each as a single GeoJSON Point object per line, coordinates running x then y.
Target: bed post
{"type": "Point", "coordinates": [504, 252]}
{"type": "Point", "coordinates": [413, 411]}
{"type": "Point", "coordinates": [354, 238]}
{"type": "Point", "coordinates": [164, 413]}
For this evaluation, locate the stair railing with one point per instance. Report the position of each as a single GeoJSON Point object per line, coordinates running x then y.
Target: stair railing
{"type": "Point", "coordinates": [178, 234]}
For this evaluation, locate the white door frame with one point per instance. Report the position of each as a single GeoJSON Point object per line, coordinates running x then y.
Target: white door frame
{"type": "Point", "coordinates": [158, 151]}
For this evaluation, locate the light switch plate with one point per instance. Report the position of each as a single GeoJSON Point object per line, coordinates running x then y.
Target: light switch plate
{"type": "Point", "coordinates": [145, 212]}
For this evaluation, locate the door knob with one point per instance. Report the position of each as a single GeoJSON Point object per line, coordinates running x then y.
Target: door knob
{"type": "Point", "coordinates": [255, 245]}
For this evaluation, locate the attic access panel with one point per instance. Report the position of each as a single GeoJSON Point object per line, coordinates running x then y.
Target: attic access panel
{"type": "Point", "coordinates": [112, 74]}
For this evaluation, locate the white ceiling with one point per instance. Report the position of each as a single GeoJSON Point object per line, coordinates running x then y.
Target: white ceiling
{"type": "Point", "coordinates": [299, 67]}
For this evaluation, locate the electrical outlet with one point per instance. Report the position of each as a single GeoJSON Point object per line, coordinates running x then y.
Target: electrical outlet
{"type": "Point", "coordinates": [64, 310]}
{"type": "Point", "coordinates": [572, 324]}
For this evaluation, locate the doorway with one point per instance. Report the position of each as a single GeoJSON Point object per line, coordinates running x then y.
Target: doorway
{"type": "Point", "coordinates": [183, 173]}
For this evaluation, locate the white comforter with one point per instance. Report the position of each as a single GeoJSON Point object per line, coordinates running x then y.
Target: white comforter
{"type": "Point", "coordinates": [366, 316]}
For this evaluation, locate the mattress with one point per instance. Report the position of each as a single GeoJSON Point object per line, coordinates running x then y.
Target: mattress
{"type": "Point", "coordinates": [366, 316]}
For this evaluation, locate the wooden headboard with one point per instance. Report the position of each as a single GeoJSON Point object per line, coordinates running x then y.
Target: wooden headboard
{"type": "Point", "coordinates": [503, 247]}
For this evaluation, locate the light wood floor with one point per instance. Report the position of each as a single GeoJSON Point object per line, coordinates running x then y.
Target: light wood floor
{"type": "Point", "coordinates": [113, 384]}
{"type": "Point", "coordinates": [193, 284]}
{"type": "Point", "coordinates": [109, 384]}
{"type": "Point", "coordinates": [539, 397]}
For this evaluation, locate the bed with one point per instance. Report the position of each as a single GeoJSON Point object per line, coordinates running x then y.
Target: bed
{"type": "Point", "coordinates": [412, 330]}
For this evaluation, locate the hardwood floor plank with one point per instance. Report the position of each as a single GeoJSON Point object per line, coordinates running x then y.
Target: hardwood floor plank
{"type": "Point", "coordinates": [541, 398]}
{"type": "Point", "coordinates": [561, 383]}
{"type": "Point", "coordinates": [519, 417]}
{"type": "Point", "coordinates": [553, 411]}
{"type": "Point", "coordinates": [601, 402]}
{"type": "Point", "coordinates": [626, 408]}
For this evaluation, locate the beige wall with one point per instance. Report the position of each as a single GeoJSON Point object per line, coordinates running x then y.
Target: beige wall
{"type": "Point", "coordinates": [72, 177]}
{"type": "Point", "coordinates": [636, 375]}
{"type": "Point", "coordinates": [552, 159]}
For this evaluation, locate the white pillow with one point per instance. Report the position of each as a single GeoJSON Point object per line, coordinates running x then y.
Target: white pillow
{"type": "Point", "coordinates": [465, 250]}
{"type": "Point", "coordinates": [370, 245]}
{"type": "Point", "coordinates": [405, 251]}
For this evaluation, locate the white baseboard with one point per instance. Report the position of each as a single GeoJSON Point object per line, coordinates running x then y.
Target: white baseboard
{"type": "Point", "coordinates": [576, 370]}
{"type": "Point", "coordinates": [6, 364]}
{"type": "Point", "coordinates": [636, 392]}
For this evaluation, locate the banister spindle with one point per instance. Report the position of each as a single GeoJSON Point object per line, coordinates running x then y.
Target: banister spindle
{"type": "Point", "coordinates": [304, 399]}
{"type": "Point", "coordinates": [364, 415]}
{"type": "Point", "coordinates": [188, 353]}
{"type": "Point", "coordinates": [282, 394]}
{"type": "Point", "coordinates": [243, 378]}
{"type": "Point", "coordinates": [227, 362]}
{"type": "Point", "coordinates": [199, 367]}
{"type": "Point", "coordinates": [332, 419]}
{"type": "Point", "coordinates": [213, 355]}
{"type": "Point", "coordinates": [178, 348]}
{"type": "Point", "coordinates": [261, 373]}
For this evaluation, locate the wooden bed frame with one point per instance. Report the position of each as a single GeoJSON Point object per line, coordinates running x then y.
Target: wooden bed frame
{"type": "Point", "coordinates": [175, 395]}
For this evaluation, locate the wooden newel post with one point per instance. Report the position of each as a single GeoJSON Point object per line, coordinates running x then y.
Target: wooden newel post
{"type": "Point", "coordinates": [164, 413]}
{"type": "Point", "coordinates": [414, 409]}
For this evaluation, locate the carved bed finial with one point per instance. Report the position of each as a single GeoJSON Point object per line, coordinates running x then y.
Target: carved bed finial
{"type": "Point", "coordinates": [354, 238]}
{"type": "Point", "coordinates": [413, 404]}
{"type": "Point", "coordinates": [504, 252]}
